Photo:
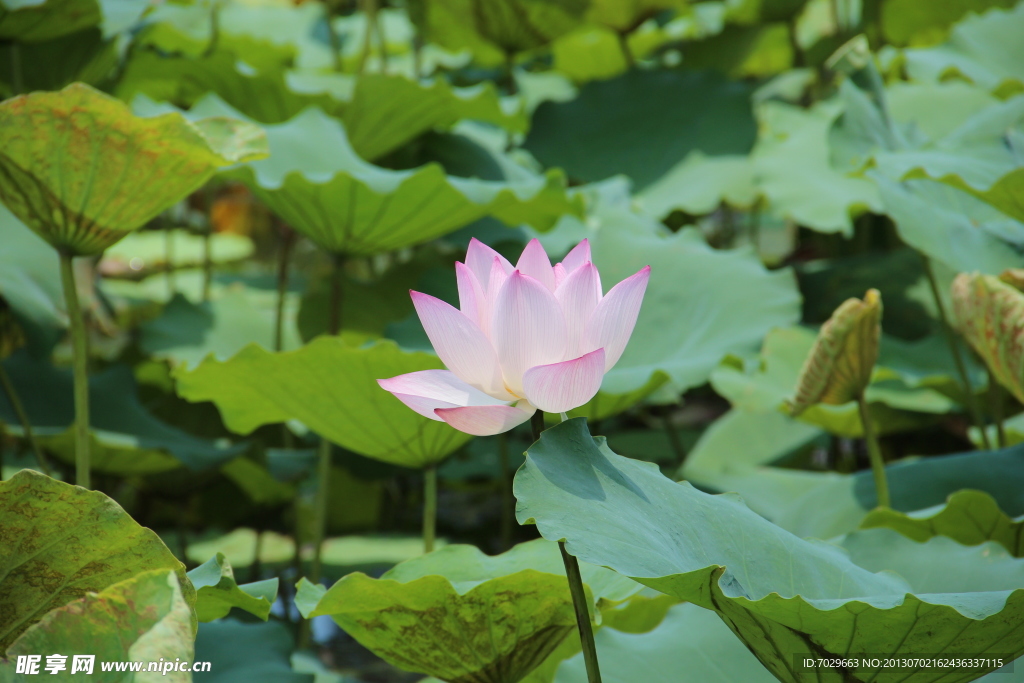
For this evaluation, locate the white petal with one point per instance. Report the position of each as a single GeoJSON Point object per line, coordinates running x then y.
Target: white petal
{"type": "Point", "coordinates": [427, 390]}
{"type": "Point", "coordinates": [615, 316]}
{"type": "Point", "coordinates": [487, 420]}
{"type": "Point", "coordinates": [578, 296]}
{"type": "Point", "coordinates": [528, 328]}
{"type": "Point", "coordinates": [560, 387]}
{"type": "Point", "coordinates": [460, 344]}
{"type": "Point", "coordinates": [494, 284]}
{"type": "Point", "coordinates": [534, 262]}
{"type": "Point", "coordinates": [579, 255]}
{"type": "Point", "coordinates": [479, 257]}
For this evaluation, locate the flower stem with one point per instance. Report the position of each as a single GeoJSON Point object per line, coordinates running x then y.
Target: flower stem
{"type": "Point", "coordinates": [429, 507]}
{"type": "Point", "coordinates": [323, 476]}
{"type": "Point", "coordinates": [972, 403]}
{"type": "Point", "coordinates": [507, 506]}
{"type": "Point", "coordinates": [579, 597]}
{"type": "Point", "coordinates": [26, 426]}
{"type": "Point", "coordinates": [81, 372]}
{"type": "Point", "coordinates": [874, 453]}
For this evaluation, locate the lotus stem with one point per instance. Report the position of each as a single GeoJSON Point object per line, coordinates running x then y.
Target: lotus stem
{"type": "Point", "coordinates": [627, 53]}
{"type": "Point", "coordinates": [506, 493]}
{"type": "Point", "coordinates": [874, 453]}
{"type": "Point", "coordinates": [283, 262]}
{"type": "Point", "coordinates": [995, 397]}
{"type": "Point", "coordinates": [26, 426]}
{"type": "Point", "coordinates": [579, 597]}
{"type": "Point", "coordinates": [81, 371]}
{"type": "Point", "coordinates": [320, 507]}
{"type": "Point", "coordinates": [972, 403]}
{"type": "Point", "coordinates": [429, 507]}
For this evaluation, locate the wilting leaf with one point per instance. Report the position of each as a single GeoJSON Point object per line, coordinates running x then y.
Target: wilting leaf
{"type": "Point", "coordinates": [127, 438]}
{"type": "Point", "coordinates": [330, 387]}
{"type": "Point", "coordinates": [60, 542]}
{"type": "Point", "coordinates": [839, 367]}
{"type": "Point", "coordinates": [460, 615]}
{"type": "Point", "coordinates": [217, 591]}
{"type": "Point", "coordinates": [146, 618]}
{"type": "Point", "coordinates": [982, 48]}
{"type": "Point", "coordinates": [990, 314]}
{"type": "Point", "coordinates": [799, 596]}
{"type": "Point", "coordinates": [80, 169]}
{"type": "Point", "coordinates": [968, 517]}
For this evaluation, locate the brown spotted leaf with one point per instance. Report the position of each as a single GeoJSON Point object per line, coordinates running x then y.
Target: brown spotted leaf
{"type": "Point", "coordinates": [990, 314]}
{"type": "Point", "coordinates": [143, 619]}
{"type": "Point", "coordinates": [460, 615]}
{"type": "Point", "coordinates": [839, 366]}
{"type": "Point", "coordinates": [81, 170]}
{"type": "Point", "coordinates": [59, 542]}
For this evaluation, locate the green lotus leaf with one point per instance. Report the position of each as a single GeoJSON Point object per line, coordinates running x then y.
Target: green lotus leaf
{"type": "Point", "coordinates": [373, 551]}
{"type": "Point", "coordinates": [61, 542]}
{"type": "Point", "coordinates": [217, 591]}
{"type": "Point", "coordinates": [30, 279]}
{"type": "Point", "coordinates": [256, 482]}
{"type": "Point", "coordinates": [330, 387]}
{"type": "Point", "coordinates": [792, 169]}
{"type": "Point", "coordinates": [240, 652]}
{"type": "Point", "coordinates": [800, 596]}
{"type": "Point", "coordinates": [38, 21]}
{"type": "Point", "coordinates": [700, 183]}
{"type": "Point", "coordinates": [460, 615]}
{"type": "Point", "coordinates": [493, 29]}
{"type": "Point", "coordinates": [149, 251]}
{"type": "Point", "coordinates": [146, 618]}
{"type": "Point", "coordinates": [898, 396]}
{"type": "Point", "coordinates": [690, 639]}
{"type": "Point", "coordinates": [838, 368]}
{"type": "Point", "coordinates": [85, 56]}
{"type": "Point", "coordinates": [127, 438]}
{"type": "Point", "coordinates": [239, 548]}
{"type": "Point", "coordinates": [922, 22]}
{"type": "Point", "coordinates": [990, 314]}
{"type": "Point", "coordinates": [234, 317]}
{"type": "Point", "coordinates": [607, 403]}
{"type": "Point", "coordinates": [81, 170]}
{"type": "Point", "coordinates": [627, 15]}
{"type": "Point", "coordinates": [968, 517]}
{"type": "Point", "coordinates": [612, 125]}
{"type": "Point", "coordinates": [982, 48]}
{"type": "Point", "coordinates": [697, 306]}
{"type": "Point", "coordinates": [321, 187]}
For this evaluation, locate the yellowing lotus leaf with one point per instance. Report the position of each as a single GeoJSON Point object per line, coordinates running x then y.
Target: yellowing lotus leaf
{"type": "Point", "coordinates": [990, 314]}
{"type": "Point", "coordinates": [839, 366]}
{"type": "Point", "coordinates": [81, 170]}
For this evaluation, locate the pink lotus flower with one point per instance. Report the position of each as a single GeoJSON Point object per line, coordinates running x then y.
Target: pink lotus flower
{"type": "Point", "coordinates": [526, 338]}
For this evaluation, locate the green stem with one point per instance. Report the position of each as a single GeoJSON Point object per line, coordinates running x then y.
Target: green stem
{"type": "Point", "coordinates": [579, 603]}
{"type": "Point", "coordinates": [627, 53]}
{"type": "Point", "coordinates": [995, 397]}
{"type": "Point", "coordinates": [874, 453]}
{"type": "Point", "coordinates": [320, 507]}
{"type": "Point", "coordinates": [282, 287]}
{"type": "Point", "coordinates": [674, 441]}
{"type": "Point", "coordinates": [972, 402]}
{"type": "Point", "coordinates": [506, 493]}
{"type": "Point", "coordinates": [81, 371]}
{"type": "Point", "coordinates": [537, 424]}
{"type": "Point", "coordinates": [26, 426]}
{"type": "Point", "coordinates": [255, 570]}
{"type": "Point", "coordinates": [429, 507]}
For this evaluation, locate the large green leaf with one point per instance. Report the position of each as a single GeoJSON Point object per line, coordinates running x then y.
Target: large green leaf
{"type": "Point", "coordinates": [330, 387]}
{"type": "Point", "coordinates": [78, 168]}
{"type": "Point", "coordinates": [240, 652]}
{"type": "Point", "coordinates": [61, 542]}
{"type": "Point", "coordinates": [968, 517]}
{"type": "Point", "coordinates": [217, 591]}
{"type": "Point", "coordinates": [319, 185]}
{"type": "Point", "coordinates": [463, 616]}
{"type": "Point", "coordinates": [698, 306]}
{"type": "Point", "coordinates": [146, 618]}
{"type": "Point", "coordinates": [643, 124]}
{"type": "Point", "coordinates": [782, 595]}
{"type": "Point", "coordinates": [128, 439]}
{"type": "Point", "coordinates": [983, 48]}
{"type": "Point", "coordinates": [690, 640]}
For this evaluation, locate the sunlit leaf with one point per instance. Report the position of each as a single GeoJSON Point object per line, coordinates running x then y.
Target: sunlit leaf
{"type": "Point", "coordinates": [990, 314]}
{"type": "Point", "coordinates": [968, 517]}
{"type": "Point", "coordinates": [61, 542]}
{"type": "Point", "coordinates": [146, 618]}
{"type": "Point", "coordinates": [217, 591]}
{"type": "Point", "coordinates": [839, 366]}
{"type": "Point", "coordinates": [330, 387]}
{"type": "Point", "coordinates": [496, 618]}
{"type": "Point", "coordinates": [239, 548]}
{"type": "Point", "coordinates": [78, 168]}
{"type": "Point", "coordinates": [625, 515]}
